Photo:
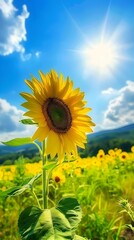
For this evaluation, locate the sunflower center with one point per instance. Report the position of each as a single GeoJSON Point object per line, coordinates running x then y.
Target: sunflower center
{"type": "Point", "coordinates": [57, 114]}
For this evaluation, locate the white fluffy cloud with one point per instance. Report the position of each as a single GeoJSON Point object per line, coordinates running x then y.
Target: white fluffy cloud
{"type": "Point", "coordinates": [109, 91]}
{"type": "Point", "coordinates": [10, 127]}
{"type": "Point", "coordinates": [12, 29]}
{"type": "Point", "coordinates": [120, 109]}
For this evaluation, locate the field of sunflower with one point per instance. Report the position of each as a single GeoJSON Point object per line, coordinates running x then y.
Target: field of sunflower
{"type": "Point", "coordinates": [103, 185]}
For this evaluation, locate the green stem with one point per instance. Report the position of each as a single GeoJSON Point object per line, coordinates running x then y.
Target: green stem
{"type": "Point", "coordinates": [35, 196]}
{"type": "Point", "coordinates": [51, 201]}
{"type": "Point", "coordinates": [44, 178]}
{"type": "Point", "coordinates": [73, 184]}
{"type": "Point", "coordinates": [38, 148]}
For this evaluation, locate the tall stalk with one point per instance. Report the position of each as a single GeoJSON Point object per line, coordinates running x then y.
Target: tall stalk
{"type": "Point", "coordinates": [44, 178]}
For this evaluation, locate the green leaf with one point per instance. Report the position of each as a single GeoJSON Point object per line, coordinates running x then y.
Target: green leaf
{"type": "Point", "coordinates": [50, 166]}
{"type": "Point", "coordinates": [18, 141]}
{"type": "Point", "coordinates": [15, 191]}
{"type": "Point", "coordinates": [48, 224]}
{"type": "Point", "coordinates": [77, 237]}
{"type": "Point", "coordinates": [27, 121]}
{"type": "Point", "coordinates": [72, 210]}
{"type": "Point", "coordinates": [8, 192]}
{"type": "Point", "coordinates": [18, 191]}
{"type": "Point", "coordinates": [32, 180]}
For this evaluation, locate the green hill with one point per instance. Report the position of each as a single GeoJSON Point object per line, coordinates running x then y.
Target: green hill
{"type": "Point", "coordinates": [122, 137]}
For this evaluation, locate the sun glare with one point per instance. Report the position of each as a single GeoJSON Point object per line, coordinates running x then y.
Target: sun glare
{"type": "Point", "coordinates": [101, 56]}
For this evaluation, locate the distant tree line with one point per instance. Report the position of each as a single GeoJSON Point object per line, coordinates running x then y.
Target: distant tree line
{"type": "Point", "coordinates": [93, 147]}
{"type": "Point", "coordinates": [31, 155]}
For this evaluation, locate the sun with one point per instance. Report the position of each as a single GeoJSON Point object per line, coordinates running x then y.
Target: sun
{"type": "Point", "coordinates": [101, 57]}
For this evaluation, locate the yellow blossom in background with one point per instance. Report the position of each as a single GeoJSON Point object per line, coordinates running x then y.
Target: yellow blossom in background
{"type": "Point", "coordinates": [100, 154]}
{"type": "Point", "coordinates": [77, 171]}
{"type": "Point", "coordinates": [34, 168]}
{"type": "Point", "coordinates": [109, 159]}
{"type": "Point", "coordinates": [60, 112]}
{"type": "Point", "coordinates": [132, 149]}
{"type": "Point", "coordinates": [58, 176]}
{"type": "Point", "coordinates": [118, 151]}
{"type": "Point", "coordinates": [7, 173]}
{"type": "Point", "coordinates": [123, 156]}
{"type": "Point", "coordinates": [111, 152]}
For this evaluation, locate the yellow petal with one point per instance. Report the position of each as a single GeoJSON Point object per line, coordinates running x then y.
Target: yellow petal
{"type": "Point", "coordinates": [64, 90]}
{"type": "Point", "coordinates": [30, 84]}
{"type": "Point", "coordinates": [27, 96]}
{"type": "Point", "coordinates": [41, 133]}
{"type": "Point", "coordinates": [80, 123]}
{"type": "Point", "coordinates": [34, 114]}
{"type": "Point", "coordinates": [69, 145]}
{"type": "Point", "coordinates": [77, 135]}
{"type": "Point", "coordinates": [54, 84]}
{"type": "Point", "coordinates": [52, 144]}
{"type": "Point", "coordinates": [32, 106]}
{"type": "Point", "coordinates": [46, 83]}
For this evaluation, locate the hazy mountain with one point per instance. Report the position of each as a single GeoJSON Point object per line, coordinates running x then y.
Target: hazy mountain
{"type": "Point", "coordinates": [114, 132]}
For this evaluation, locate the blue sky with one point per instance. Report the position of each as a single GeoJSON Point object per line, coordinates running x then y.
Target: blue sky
{"type": "Point", "coordinates": [64, 35]}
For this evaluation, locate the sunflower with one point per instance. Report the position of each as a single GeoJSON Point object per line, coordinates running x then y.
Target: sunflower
{"type": "Point", "coordinates": [60, 112]}
{"type": "Point", "coordinates": [100, 154]}
{"type": "Point", "coordinates": [123, 156]}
